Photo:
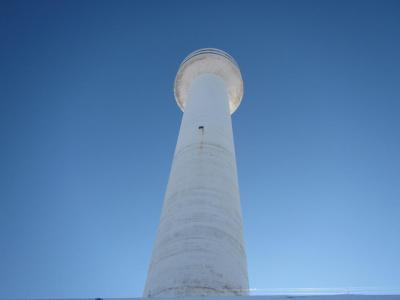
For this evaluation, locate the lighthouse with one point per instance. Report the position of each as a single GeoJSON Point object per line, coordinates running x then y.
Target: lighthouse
{"type": "Point", "coordinates": [199, 248]}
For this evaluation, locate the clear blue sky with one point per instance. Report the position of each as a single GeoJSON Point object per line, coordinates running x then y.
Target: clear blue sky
{"type": "Point", "coordinates": [88, 126]}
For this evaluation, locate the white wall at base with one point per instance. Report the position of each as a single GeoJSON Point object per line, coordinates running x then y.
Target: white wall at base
{"type": "Point", "coordinates": [296, 297]}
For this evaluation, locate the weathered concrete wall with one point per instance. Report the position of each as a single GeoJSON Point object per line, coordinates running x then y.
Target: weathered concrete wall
{"type": "Point", "coordinates": [199, 248]}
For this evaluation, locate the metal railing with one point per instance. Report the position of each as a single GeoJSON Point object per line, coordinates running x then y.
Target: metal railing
{"type": "Point", "coordinates": [210, 51]}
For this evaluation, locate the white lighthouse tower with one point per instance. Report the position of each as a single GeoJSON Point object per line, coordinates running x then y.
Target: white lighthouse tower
{"type": "Point", "coordinates": [199, 249]}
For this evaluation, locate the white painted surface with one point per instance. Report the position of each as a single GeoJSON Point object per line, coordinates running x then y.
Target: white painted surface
{"type": "Point", "coordinates": [199, 248]}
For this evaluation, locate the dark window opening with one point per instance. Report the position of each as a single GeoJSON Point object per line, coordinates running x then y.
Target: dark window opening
{"type": "Point", "coordinates": [201, 127]}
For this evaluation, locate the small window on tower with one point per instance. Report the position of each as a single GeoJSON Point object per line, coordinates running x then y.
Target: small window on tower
{"type": "Point", "coordinates": [201, 127]}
